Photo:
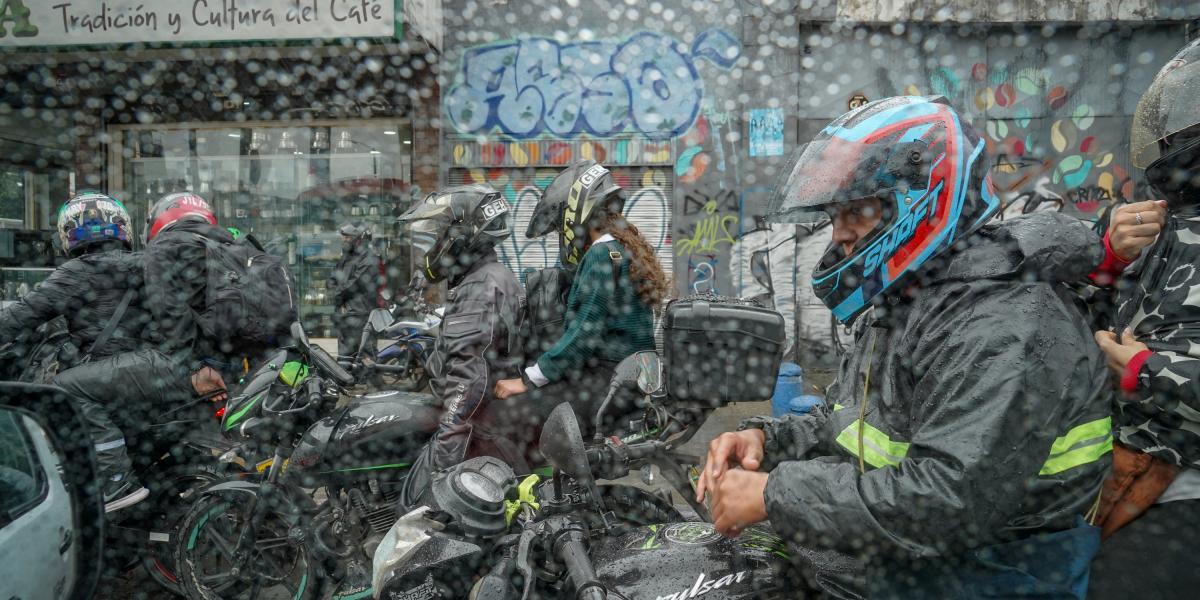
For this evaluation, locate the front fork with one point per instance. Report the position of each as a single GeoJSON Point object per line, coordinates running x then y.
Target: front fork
{"type": "Point", "coordinates": [260, 507]}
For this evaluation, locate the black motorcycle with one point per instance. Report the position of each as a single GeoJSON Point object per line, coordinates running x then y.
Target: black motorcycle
{"type": "Point", "coordinates": [489, 535]}
{"type": "Point", "coordinates": [329, 494]}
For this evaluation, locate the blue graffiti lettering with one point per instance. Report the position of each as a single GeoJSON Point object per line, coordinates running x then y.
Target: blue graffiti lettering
{"type": "Point", "coordinates": [648, 83]}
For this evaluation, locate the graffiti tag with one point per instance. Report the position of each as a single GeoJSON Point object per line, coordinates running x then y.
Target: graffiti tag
{"type": "Point", "coordinates": [647, 83]}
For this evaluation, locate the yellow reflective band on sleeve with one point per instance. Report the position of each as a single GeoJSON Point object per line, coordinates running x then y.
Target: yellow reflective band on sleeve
{"type": "Point", "coordinates": [837, 406]}
{"type": "Point", "coordinates": [879, 450]}
{"type": "Point", "coordinates": [1081, 445]}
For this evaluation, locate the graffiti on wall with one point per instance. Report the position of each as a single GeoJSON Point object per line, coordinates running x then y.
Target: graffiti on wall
{"type": "Point", "coordinates": [647, 83]}
{"type": "Point", "coordinates": [1042, 136]}
{"type": "Point", "coordinates": [648, 208]}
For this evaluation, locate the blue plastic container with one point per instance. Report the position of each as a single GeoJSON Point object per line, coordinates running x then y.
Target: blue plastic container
{"type": "Point", "coordinates": [789, 397]}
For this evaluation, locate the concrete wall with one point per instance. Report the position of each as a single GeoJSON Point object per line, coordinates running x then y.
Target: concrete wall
{"type": "Point", "coordinates": [1052, 100]}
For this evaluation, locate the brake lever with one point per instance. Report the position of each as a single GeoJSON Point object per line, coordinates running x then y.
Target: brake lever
{"type": "Point", "coordinates": [523, 564]}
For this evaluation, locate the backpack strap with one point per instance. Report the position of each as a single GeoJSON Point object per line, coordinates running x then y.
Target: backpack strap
{"type": "Point", "coordinates": [617, 260]}
{"type": "Point", "coordinates": [113, 321]}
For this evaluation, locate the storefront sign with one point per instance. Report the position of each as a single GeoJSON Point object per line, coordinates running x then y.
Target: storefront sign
{"type": "Point", "coordinates": [85, 22]}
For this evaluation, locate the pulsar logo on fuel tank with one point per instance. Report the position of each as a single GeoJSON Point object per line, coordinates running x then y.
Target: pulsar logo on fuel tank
{"type": "Point", "coordinates": [705, 585]}
{"type": "Point", "coordinates": [882, 251]}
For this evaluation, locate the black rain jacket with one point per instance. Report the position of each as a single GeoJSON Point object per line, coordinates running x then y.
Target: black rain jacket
{"type": "Point", "coordinates": [86, 292]}
{"type": "Point", "coordinates": [986, 405]}
{"type": "Point", "coordinates": [356, 281]}
{"type": "Point", "coordinates": [479, 345]}
{"type": "Point", "coordinates": [176, 294]}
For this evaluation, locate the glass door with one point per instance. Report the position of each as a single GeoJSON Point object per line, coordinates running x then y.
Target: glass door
{"type": "Point", "coordinates": [291, 186]}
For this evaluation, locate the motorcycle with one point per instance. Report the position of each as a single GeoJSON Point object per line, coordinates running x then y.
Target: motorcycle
{"type": "Point", "coordinates": [489, 535]}
{"type": "Point", "coordinates": [244, 536]}
{"type": "Point", "coordinates": [401, 364]}
{"type": "Point", "coordinates": [271, 532]}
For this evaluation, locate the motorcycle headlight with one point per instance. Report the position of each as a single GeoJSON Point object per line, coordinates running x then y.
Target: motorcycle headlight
{"type": "Point", "coordinates": [400, 543]}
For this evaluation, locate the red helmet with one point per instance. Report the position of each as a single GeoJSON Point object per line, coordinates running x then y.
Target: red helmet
{"type": "Point", "coordinates": [174, 208]}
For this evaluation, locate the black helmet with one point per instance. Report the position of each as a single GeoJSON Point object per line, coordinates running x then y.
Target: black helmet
{"type": "Point", "coordinates": [355, 230]}
{"type": "Point", "coordinates": [455, 227]}
{"type": "Point", "coordinates": [578, 198]}
{"type": "Point", "coordinates": [1164, 136]}
{"type": "Point", "coordinates": [357, 234]}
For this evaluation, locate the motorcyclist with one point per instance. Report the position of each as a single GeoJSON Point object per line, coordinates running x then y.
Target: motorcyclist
{"type": "Point", "coordinates": [457, 229]}
{"type": "Point", "coordinates": [98, 293]}
{"type": "Point", "coordinates": [1151, 505]}
{"type": "Point", "coordinates": [355, 285]}
{"type": "Point", "coordinates": [149, 381]}
{"type": "Point", "coordinates": [965, 440]}
{"type": "Point", "coordinates": [617, 287]}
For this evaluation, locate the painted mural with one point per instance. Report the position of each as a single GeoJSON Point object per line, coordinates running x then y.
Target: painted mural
{"type": "Point", "coordinates": [647, 83]}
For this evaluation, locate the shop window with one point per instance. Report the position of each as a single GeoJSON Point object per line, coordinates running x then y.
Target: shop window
{"type": "Point", "coordinates": [290, 186]}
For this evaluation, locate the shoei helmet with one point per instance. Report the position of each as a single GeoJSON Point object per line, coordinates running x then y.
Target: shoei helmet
{"type": "Point", "coordinates": [1164, 137]}
{"type": "Point", "coordinates": [925, 166]}
{"type": "Point", "coordinates": [177, 208]}
{"type": "Point", "coordinates": [92, 218]}
{"type": "Point", "coordinates": [456, 226]}
{"type": "Point", "coordinates": [577, 199]}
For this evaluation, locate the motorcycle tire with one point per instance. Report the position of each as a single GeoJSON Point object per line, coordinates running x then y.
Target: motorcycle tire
{"type": "Point", "coordinates": [637, 507]}
{"type": "Point", "coordinates": [211, 527]}
{"type": "Point", "coordinates": [184, 482]}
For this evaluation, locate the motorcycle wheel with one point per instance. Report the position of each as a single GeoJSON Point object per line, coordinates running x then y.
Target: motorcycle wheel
{"type": "Point", "coordinates": [281, 564]}
{"type": "Point", "coordinates": [172, 501]}
{"type": "Point", "coordinates": [636, 507]}
{"type": "Point", "coordinates": [412, 380]}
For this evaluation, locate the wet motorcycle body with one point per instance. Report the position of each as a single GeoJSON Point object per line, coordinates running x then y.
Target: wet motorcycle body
{"type": "Point", "coordinates": [387, 429]}
{"type": "Point", "coordinates": [677, 561]}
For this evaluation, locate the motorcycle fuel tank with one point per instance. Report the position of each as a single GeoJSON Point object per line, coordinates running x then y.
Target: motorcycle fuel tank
{"type": "Point", "coordinates": [683, 561]}
{"type": "Point", "coordinates": [375, 431]}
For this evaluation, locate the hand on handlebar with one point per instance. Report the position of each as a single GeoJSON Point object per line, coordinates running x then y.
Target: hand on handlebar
{"type": "Point", "coordinates": [207, 382]}
{"type": "Point", "coordinates": [745, 448]}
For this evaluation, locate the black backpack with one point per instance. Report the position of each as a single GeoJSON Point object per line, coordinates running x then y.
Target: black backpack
{"type": "Point", "coordinates": [546, 307]}
{"type": "Point", "coordinates": [250, 295]}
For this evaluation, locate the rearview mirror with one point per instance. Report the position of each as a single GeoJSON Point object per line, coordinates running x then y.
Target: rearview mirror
{"type": "Point", "coordinates": [650, 374]}
{"type": "Point", "coordinates": [379, 320]}
{"type": "Point", "coordinates": [51, 511]}
{"type": "Point", "coordinates": [299, 334]}
{"type": "Point", "coordinates": [562, 442]}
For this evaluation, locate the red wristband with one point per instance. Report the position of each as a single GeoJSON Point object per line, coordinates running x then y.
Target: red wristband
{"type": "Point", "coordinates": [1129, 378]}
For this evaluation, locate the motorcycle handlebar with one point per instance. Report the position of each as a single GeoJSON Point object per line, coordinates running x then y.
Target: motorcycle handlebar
{"type": "Point", "coordinates": [571, 551]}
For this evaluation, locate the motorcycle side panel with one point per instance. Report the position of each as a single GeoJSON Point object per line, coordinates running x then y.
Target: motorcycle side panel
{"type": "Point", "coordinates": [248, 403]}
{"type": "Point", "coordinates": [678, 561]}
{"type": "Point", "coordinates": [375, 431]}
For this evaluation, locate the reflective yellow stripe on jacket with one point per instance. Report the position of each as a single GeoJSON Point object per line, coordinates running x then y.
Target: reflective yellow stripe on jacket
{"type": "Point", "coordinates": [1081, 445]}
{"type": "Point", "coordinates": [879, 450]}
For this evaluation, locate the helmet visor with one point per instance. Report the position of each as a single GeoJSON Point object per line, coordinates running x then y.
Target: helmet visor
{"type": "Point", "coordinates": [428, 220]}
{"type": "Point", "coordinates": [1167, 108]}
{"type": "Point", "coordinates": [831, 170]}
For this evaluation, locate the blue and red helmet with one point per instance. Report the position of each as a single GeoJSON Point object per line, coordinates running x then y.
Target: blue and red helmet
{"type": "Point", "coordinates": [923, 163]}
{"type": "Point", "coordinates": [90, 219]}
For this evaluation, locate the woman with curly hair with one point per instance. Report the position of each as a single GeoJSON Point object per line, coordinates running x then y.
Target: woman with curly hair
{"type": "Point", "coordinates": [618, 287]}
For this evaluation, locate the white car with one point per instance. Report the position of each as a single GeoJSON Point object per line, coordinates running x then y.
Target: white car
{"type": "Point", "coordinates": [51, 529]}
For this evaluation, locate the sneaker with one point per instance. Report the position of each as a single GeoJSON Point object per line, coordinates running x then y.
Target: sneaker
{"type": "Point", "coordinates": [123, 492]}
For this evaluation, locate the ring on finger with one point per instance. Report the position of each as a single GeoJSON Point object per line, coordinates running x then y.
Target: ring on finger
{"type": "Point", "coordinates": [1138, 217]}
